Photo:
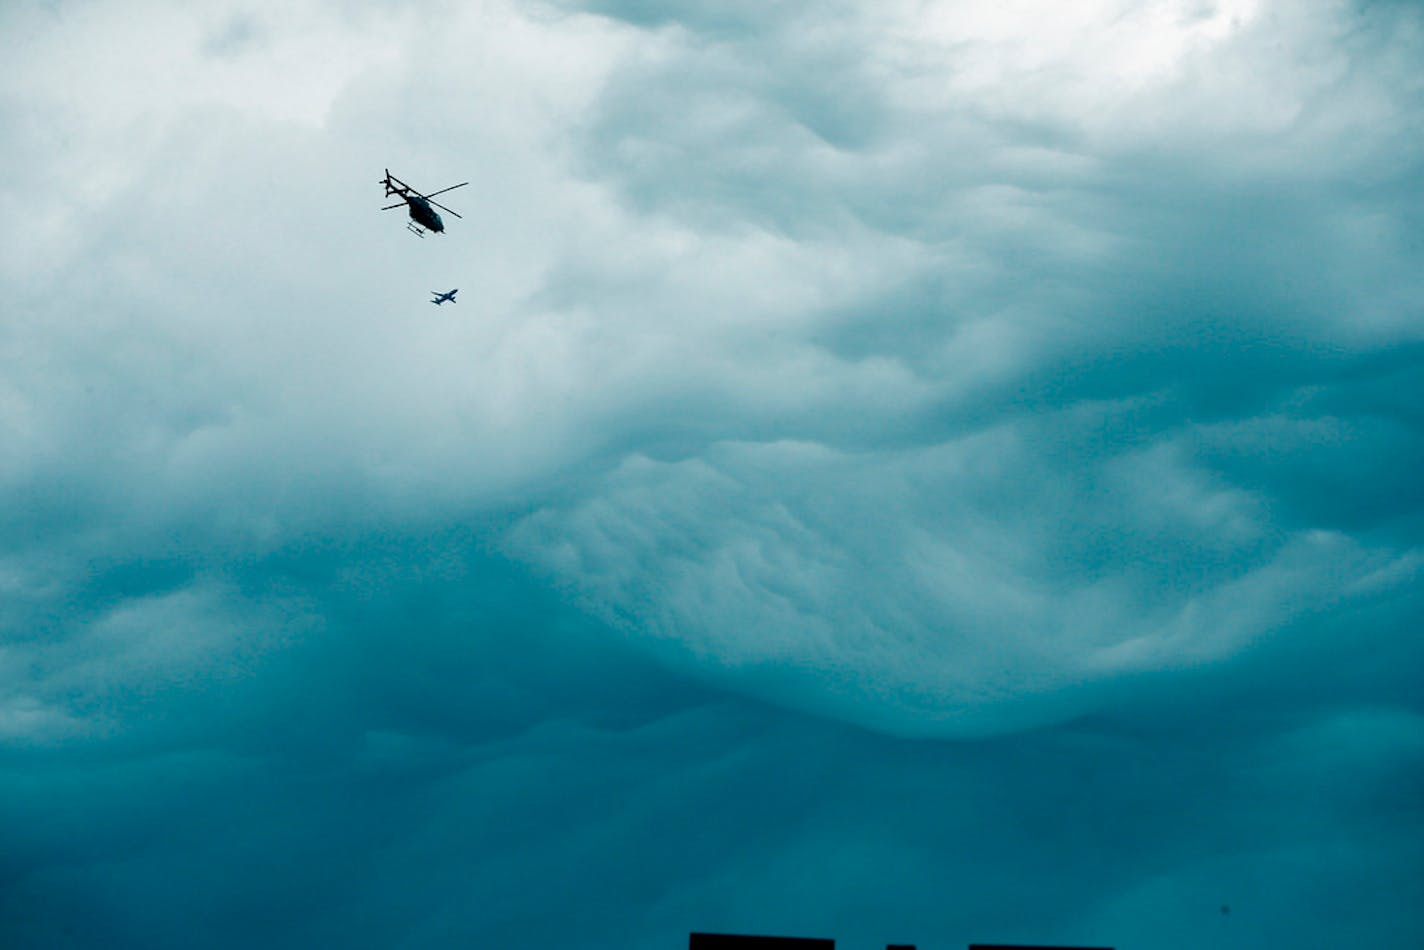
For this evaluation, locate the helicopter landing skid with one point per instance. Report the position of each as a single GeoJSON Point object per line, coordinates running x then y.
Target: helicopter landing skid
{"type": "Point", "coordinates": [415, 229]}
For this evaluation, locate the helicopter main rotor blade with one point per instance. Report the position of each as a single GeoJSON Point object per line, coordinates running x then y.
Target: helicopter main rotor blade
{"type": "Point", "coordinates": [389, 207]}
{"type": "Point", "coordinates": [443, 190]}
{"type": "Point", "coordinates": [443, 208]}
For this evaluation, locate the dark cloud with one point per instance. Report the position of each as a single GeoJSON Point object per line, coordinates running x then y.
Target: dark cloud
{"type": "Point", "coordinates": [739, 819]}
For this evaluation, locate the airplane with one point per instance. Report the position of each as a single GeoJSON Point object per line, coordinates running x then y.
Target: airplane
{"type": "Point", "coordinates": [422, 216]}
{"type": "Point", "coordinates": [441, 298]}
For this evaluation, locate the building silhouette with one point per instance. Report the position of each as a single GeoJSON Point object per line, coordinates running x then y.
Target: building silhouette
{"type": "Point", "coordinates": [706, 941]}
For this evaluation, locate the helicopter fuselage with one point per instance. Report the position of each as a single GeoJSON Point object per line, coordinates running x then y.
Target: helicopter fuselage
{"type": "Point", "coordinates": [424, 215]}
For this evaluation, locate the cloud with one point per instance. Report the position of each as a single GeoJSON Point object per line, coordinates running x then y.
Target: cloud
{"type": "Point", "coordinates": [936, 592]}
{"type": "Point", "coordinates": [1007, 479]}
{"type": "Point", "coordinates": [884, 459]}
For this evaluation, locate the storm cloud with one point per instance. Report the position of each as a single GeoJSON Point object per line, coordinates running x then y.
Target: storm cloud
{"type": "Point", "coordinates": [919, 472]}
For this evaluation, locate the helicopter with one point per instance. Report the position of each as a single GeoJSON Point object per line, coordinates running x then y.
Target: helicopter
{"type": "Point", "coordinates": [422, 215]}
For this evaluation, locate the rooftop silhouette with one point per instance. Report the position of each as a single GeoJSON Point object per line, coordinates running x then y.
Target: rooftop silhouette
{"type": "Point", "coordinates": [745, 942]}
{"type": "Point", "coordinates": [708, 941]}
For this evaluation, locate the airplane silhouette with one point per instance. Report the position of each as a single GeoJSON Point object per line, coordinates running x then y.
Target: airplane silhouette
{"type": "Point", "coordinates": [441, 298]}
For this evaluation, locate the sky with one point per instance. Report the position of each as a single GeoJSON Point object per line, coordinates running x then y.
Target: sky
{"type": "Point", "coordinates": [916, 471]}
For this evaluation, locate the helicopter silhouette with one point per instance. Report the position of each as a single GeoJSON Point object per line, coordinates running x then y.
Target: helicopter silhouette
{"type": "Point", "coordinates": [423, 216]}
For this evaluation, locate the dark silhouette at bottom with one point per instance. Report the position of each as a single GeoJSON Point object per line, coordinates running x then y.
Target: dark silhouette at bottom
{"type": "Point", "coordinates": [740, 942]}
{"type": "Point", "coordinates": [747, 942]}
